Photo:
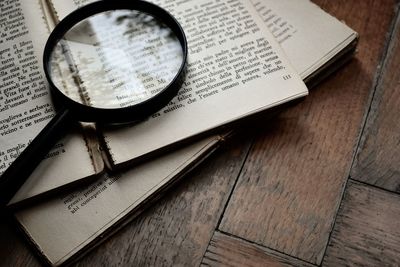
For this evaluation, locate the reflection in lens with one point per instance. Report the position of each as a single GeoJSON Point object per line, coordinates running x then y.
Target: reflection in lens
{"type": "Point", "coordinates": [115, 59]}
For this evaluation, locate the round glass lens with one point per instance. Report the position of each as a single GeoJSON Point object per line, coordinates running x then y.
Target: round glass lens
{"type": "Point", "coordinates": [115, 59]}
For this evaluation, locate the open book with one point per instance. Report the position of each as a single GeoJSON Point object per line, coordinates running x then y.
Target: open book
{"type": "Point", "coordinates": [235, 69]}
{"type": "Point", "coordinates": [110, 199]}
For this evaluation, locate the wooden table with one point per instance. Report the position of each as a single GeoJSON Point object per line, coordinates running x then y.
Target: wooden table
{"type": "Point", "coordinates": [317, 185]}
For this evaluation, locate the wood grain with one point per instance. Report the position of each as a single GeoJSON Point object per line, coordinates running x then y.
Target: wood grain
{"type": "Point", "coordinates": [176, 231]}
{"type": "Point", "coordinates": [367, 230]}
{"type": "Point", "coordinates": [291, 185]}
{"type": "Point", "coordinates": [225, 250]}
{"type": "Point", "coordinates": [378, 157]}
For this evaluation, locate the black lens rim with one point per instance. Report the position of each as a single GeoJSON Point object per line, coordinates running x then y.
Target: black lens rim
{"type": "Point", "coordinates": [116, 115]}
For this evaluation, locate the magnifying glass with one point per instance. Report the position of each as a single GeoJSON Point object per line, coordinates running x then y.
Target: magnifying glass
{"type": "Point", "coordinates": [107, 62]}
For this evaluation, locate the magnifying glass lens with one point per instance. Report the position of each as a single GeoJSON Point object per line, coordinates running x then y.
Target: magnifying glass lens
{"type": "Point", "coordinates": [108, 62]}
{"type": "Point", "coordinates": [115, 59]}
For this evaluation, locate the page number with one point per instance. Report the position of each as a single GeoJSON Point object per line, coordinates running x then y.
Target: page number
{"type": "Point", "coordinates": [286, 77]}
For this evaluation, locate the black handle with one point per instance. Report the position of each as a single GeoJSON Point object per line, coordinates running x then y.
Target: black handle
{"type": "Point", "coordinates": [18, 172]}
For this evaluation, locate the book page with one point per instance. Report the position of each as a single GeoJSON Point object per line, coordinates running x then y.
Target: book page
{"type": "Point", "coordinates": [63, 226]}
{"type": "Point", "coordinates": [309, 36]}
{"type": "Point", "coordinates": [235, 68]}
{"type": "Point", "coordinates": [25, 102]}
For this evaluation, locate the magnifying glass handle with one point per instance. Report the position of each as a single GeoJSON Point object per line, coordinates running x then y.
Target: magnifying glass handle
{"type": "Point", "coordinates": [18, 172]}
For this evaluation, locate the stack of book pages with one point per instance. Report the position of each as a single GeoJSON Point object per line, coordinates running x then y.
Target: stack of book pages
{"type": "Point", "coordinates": [245, 57]}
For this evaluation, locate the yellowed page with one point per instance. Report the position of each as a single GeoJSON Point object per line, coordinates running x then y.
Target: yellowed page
{"type": "Point", "coordinates": [235, 69]}
{"type": "Point", "coordinates": [25, 103]}
{"type": "Point", "coordinates": [309, 36]}
{"type": "Point", "coordinates": [62, 226]}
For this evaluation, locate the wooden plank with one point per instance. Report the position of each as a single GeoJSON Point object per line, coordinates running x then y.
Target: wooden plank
{"type": "Point", "coordinates": [378, 157]}
{"type": "Point", "coordinates": [177, 229]}
{"type": "Point", "coordinates": [290, 188]}
{"type": "Point", "coordinates": [225, 250]}
{"type": "Point", "coordinates": [367, 229]}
